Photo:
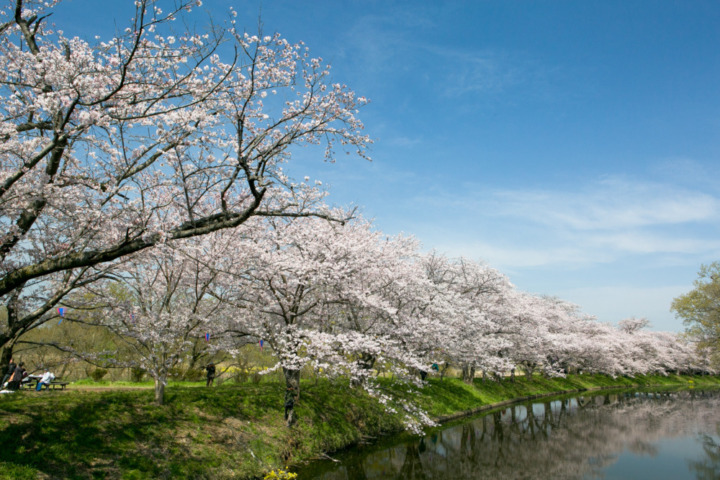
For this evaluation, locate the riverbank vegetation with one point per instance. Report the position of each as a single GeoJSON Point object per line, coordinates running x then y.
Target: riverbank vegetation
{"type": "Point", "coordinates": [234, 430]}
{"type": "Point", "coordinates": [700, 313]}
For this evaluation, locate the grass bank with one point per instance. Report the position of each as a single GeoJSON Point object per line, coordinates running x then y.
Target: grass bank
{"type": "Point", "coordinates": [230, 431]}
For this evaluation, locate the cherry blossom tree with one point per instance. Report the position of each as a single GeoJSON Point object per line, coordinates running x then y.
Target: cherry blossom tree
{"type": "Point", "coordinates": [161, 303]}
{"type": "Point", "coordinates": [652, 352]}
{"type": "Point", "coordinates": [397, 303]}
{"type": "Point", "coordinates": [596, 348]}
{"type": "Point", "coordinates": [530, 337]}
{"type": "Point", "coordinates": [639, 352]}
{"type": "Point", "coordinates": [676, 354]}
{"type": "Point", "coordinates": [315, 292]}
{"type": "Point", "coordinates": [563, 324]}
{"type": "Point", "coordinates": [147, 136]}
{"type": "Point", "coordinates": [473, 325]}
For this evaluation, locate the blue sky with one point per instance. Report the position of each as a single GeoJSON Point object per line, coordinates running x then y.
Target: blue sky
{"type": "Point", "coordinates": [571, 144]}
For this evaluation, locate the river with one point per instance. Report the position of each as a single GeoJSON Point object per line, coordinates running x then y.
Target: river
{"type": "Point", "coordinates": [611, 435]}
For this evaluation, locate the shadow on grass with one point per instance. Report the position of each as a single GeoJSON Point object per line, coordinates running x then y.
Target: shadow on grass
{"type": "Point", "coordinates": [117, 434]}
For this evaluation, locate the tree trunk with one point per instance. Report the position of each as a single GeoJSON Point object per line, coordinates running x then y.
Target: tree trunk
{"type": "Point", "coordinates": [365, 362]}
{"type": "Point", "coordinates": [10, 334]}
{"type": "Point", "coordinates": [6, 355]}
{"type": "Point", "coordinates": [292, 394]}
{"type": "Point", "coordinates": [292, 379]}
{"type": "Point", "coordinates": [159, 391]}
{"type": "Point", "coordinates": [444, 370]}
{"type": "Point", "coordinates": [468, 373]}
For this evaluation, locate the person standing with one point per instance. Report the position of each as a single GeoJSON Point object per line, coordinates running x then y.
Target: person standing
{"type": "Point", "coordinates": [16, 378]}
{"type": "Point", "coordinates": [210, 373]}
{"type": "Point", "coordinates": [8, 372]}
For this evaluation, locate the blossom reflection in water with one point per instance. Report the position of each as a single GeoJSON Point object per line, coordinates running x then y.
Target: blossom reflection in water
{"type": "Point", "coordinates": [672, 435]}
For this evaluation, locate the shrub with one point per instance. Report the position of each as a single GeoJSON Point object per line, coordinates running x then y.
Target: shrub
{"type": "Point", "coordinates": [194, 374]}
{"type": "Point", "coordinates": [280, 475]}
{"type": "Point", "coordinates": [239, 375]}
{"type": "Point", "coordinates": [136, 374]}
{"type": "Point", "coordinates": [98, 374]}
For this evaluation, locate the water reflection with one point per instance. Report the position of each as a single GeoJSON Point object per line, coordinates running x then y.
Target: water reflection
{"type": "Point", "coordinates": [708, 467]}
{"type": "Point", "coordinates": [586, 437]}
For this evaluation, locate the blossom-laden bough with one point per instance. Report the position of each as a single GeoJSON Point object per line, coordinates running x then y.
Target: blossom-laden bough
{"type": "Point", "coordinates": [155, 133]}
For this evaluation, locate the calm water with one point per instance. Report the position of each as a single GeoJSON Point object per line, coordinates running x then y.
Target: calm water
{"type": "Point", "coordinates": [626, 435]}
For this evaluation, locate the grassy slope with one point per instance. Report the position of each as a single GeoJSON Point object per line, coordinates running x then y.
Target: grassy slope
{"type": "Point", "coordinates": [232, 431]}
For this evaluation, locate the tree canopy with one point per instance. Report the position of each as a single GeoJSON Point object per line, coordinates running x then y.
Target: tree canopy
{"type": "Point", "coordinates": [700, 310]}
{"type": "Point", "coordinates": [155, 133]}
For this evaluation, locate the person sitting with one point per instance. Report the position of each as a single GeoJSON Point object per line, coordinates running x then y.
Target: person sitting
{"type": "Point", "coordinates": [17, 377]}
{"type": "Point", "coordinates": [45, 380]}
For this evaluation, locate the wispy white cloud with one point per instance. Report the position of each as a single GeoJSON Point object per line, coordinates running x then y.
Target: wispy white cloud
{"type": "Point", "coordinates": [647, 243]}
{"type": "Point", "coordinates": [405, 142]}
{"type": "Point", "coordinates": [595, 223]}
{"type": "Point", "coordinates": [511, 256]}
{"type": "Point", "coordinates": [383, 47]}
{"type": "Point", "coordinates": [481, 72]}
{"type": "Point", "coordinates": [376, 42]}
{"type": "Point", "coordinates": [609, 205]}
{"type": "Point", "coordinates": [690, 172]}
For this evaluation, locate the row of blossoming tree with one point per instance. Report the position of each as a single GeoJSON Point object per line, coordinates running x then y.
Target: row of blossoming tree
{"type": "Point", "coordinates": [343, 300]}
{"type": "Point", "coordinates": [142, 189]}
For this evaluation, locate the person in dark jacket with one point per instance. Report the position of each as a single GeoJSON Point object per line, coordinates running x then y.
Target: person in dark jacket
{"type": "Point", "coordinates": [8, 372]}
{"type": "Point", "coordinates": [16, 378]}
{"type": "Point", "coordinates": [210, 373]}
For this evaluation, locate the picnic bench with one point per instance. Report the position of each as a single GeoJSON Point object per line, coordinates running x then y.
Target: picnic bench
{"type": "Point", "coordinates": [31, 382]}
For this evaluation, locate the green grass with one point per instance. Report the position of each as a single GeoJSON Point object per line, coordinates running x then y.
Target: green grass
{"type": "Point", "coordinates": [230, 431]}
{"type": "Point", "coordinates": [90, 383]}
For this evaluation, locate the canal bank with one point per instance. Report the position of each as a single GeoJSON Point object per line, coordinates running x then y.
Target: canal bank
{"type": "Point", "coordinates": [485, 395]}
{"type": "Point", "coordinates": [677, 382]}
